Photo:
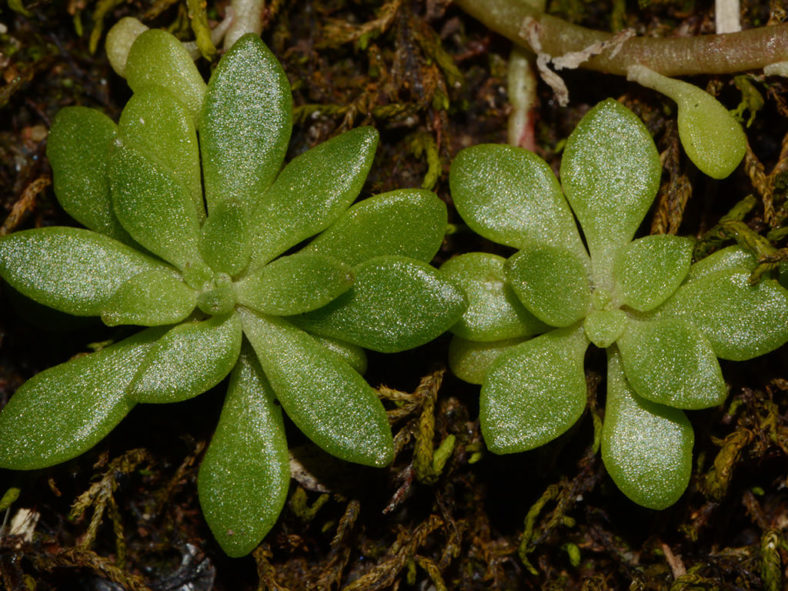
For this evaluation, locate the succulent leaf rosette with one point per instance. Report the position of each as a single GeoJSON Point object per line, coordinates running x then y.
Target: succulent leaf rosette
{"type": "Point", "coordinates": [663, 320]}
{"type": "Point", "coordinates": [192, 235]}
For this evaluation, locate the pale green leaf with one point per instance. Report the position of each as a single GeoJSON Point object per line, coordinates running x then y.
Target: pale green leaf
{"type": "Point", "coordinates": [648, 270]}
{"type": "Point", "coordinates": [244, 476]}
{"type": "Point", "coordinates": [70, 269]}
{"type": "Point", "coordinates": [731, 258]}
{"type": "Point", "coordinates": [65, 410]}
{"type": "Point", "coordinates": [294, 284]}
{"type": "Point", "coordinates": [603, 327]}
{"type": "Point", "coordinates": [551, 282]}
{"type": "Point", "coordinates": [512, 197]}
{"type": "Point", "coordinates": [78, 151]}
{"type": "Point", "coordinates": [494, 313]}
{"type": "Point", "coordinates": [245, 124]}
{"type": "Point", "coordinates": [534, 392]}
{"type": "Point", "coordinates": [741, 321]}
{"type": "Point", "coordinates": [156, 210]}
{"type": "Point", "coordinates": [157, 58]}
{"type": "Point", "coordinates": [471, 360]}
{"type": "Point", "coordinates": [406, 222]}
{"type": "Point", "coordinates": [610, 172]}
{"type": "Point", "coordinates": [190, 359]}
{"type": "Point", "coordinates": [646, 447]}
{"type": "Point", "coordinates": [150, 298]}
{"type": "Point", "coordinates": [159, 126]}
{"type": "Point", "coordinates": [324, 396]}
{"type": "Point", "coordinates": [224, 238]}
{"type": "Point", "coordinates": [312, 192]}
{"type": "Point", "coordinates": [395, 303]}
{"type": "Point", "coordinates": [711, 136]}
{"type": "Point", "coordinates": [670, 362]}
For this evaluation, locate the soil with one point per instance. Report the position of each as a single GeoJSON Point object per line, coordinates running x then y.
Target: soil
{"type": "Point", "coordinates": [432, 80]}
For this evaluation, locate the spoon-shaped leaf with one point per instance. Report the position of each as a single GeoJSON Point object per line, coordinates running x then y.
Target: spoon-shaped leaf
{"type": "Point", "coordinates": [534, 392]}
{"type": "Point", "coordinates": [551, 282]}
{"type": "Point", "coordinates": [159, 126]}
{"type": "Point", "coordinates": [244, 475]}
{"type": "Point", "coordinates": [395, 303]}
{"type": "Point", "coordinates": [64, 411]}
{"type": "Point", "coordinates": [245, 124]}
{"type": "Point", "coordinates": [157, 58]}
{"type": "Point", "coordinates": [151, 298]}
{"type": "Point", "coordinates": [78, 150]}
{"type": "Point", "coordinates": [610, 173]}
{"type": "Point", "coordinates": [741, 321]}
{"type": "Point", "coordinates": [325, 398]}
{"type": "Point", "coordinates": [189, 360]}
{"type": "Point", "coordinates": [646, 447]}
{"type": "Point", "coordinates": [669, 361]}
{"type": "Point", "coordinates": [512, 197]}
{"type": "Point", "coordinates": [294, 284]}
{"type": "Point", "coordinates": [156, 210]}
{"type": "Point", "coordinates": [712, 138]}
{"type": "Point", "coordinates": [650, 269]}
{"type": "Point", "coordinates": [70, 269]}
{"type": "Point", "coordinates": [471, 360]}
{"type": "Point", "coordinates": [312, 192]}
{"type": "Point", "coordinates": [406, 222]}
{"type": "Point", "coordinates": [731, 258]}
{"type": "Point", "coordinates": [494, 313]}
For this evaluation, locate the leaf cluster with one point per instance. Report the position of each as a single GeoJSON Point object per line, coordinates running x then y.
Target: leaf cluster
{"type": "Point", "coordinates": [663, 320]}
{"type": "Point", "coordinates": [195, 230]}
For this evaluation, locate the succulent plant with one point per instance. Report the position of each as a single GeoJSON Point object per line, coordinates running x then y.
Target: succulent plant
{"type": "Point", "coordinates": [663, 320]}
{"type": "Point", "coordinates": [225, 291]}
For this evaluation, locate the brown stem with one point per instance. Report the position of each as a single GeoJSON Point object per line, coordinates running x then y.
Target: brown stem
{"type": "Point", "coordinates": [676, 56]}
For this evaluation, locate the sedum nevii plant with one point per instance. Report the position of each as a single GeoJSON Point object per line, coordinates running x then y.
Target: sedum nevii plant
{"type": "Point", "coordinates": [193, 237]}
{"type": "Point", "coordinates": [663, 321]}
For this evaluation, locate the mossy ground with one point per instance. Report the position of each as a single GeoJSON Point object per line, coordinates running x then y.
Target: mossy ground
{"type": "Point", "coordinates": [126, 515]}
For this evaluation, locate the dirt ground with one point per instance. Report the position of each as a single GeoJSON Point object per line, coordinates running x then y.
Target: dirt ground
{"type": "Point", "coordinates": [432, 80]}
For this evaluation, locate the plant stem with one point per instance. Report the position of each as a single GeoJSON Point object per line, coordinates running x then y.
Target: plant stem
{"type": "Point", "coordinates": [677, 56]}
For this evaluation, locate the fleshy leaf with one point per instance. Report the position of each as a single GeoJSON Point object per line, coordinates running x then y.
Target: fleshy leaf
{"type": "Point", "coordinates": [151, 298]}
{"type": "Point", "coordinates": [224, 238]}
{"type": "Point", "coordinates": [395, 303]}
{"type": "Point", "coordinates": [353, 355]}
{"type": "Point", "coordinates": [470, 360]}
{"type": "Point", "coordinates": [741, 321]}
{"type": "Point", "coordinates": [670, 362]}
{"type": "Point", "coordinates": [406, 222]}
{"type": "Point", "coordinates": [312, 192]}
{"type": "Point", "coordinates": [190, 359]}
{"type": "Point", "coordinates": [731, 258]}
{"type": "Point", "coordinates": [160, 126]}
{"type": "Point", "coordinates": [245, 124]}
{"type": "Point", "coordinates": [610, 172]}
{"type": "Point", "coordinates": [70, 269]}
{"type": "Point", "coordinates": [712, 138]}
{"type": "Point", "coordinates": [294, 284]}
{"type": "Point", "coordinates": [650, 269]}
{"type": "Point", "coordinates": [494, 313]}
{"type": "Point", "coordinates": [603, 327]}
{"type": "Point", "coordinates": [646, 447]}
{"type": "Point", "coordinates": [78, 150]}
{"type": "Point", "coordinates": [156, 210]}
{"type": "Point", "coordinates": [157, 58]}
{"type": "Point", "coordinates": [551, 282]}
{"type": "Point", "coordinates": [325, 398]}
{"type": "Point", "coordinates": [534, 392]}
{"type": "Point", "coordinates": [244, 476]}
{"type": "Point", "coordinates": [512, 197]}
{"type": "Point", "coordinates": [63, 411]}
